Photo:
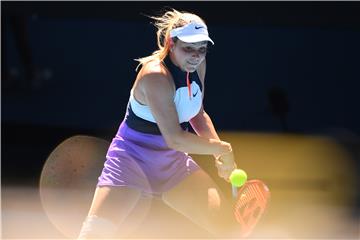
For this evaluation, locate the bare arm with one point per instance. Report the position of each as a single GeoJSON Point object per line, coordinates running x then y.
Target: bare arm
{"type": "Point", "coordinates": [203, 126]}
{"type": "Point", "coordinates": [202, 123]}
{"type": "Point", "coordinates": [158, 95]}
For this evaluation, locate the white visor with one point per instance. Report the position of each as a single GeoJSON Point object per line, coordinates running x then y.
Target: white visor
{"type": "Point", "coordinates": [191, 33]}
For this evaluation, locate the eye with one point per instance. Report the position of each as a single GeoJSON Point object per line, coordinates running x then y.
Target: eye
{"type": "Point", "coordinates": [188, 49]}
{"type": "Point", "coordinates": [203, 50]}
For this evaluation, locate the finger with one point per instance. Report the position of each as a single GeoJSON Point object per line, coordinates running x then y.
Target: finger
{"type": "Point", "coordinates": [225, 170]}
{"type": "Point", "coordinates": [225, 177]}
{"type": "Point", "coordinates": [221, 173]}
{"type": "Point", "coordinates": [218, 162]}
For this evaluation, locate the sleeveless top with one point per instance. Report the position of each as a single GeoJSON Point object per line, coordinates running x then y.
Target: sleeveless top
{"type": "Point", "coordinates": [139, 117]}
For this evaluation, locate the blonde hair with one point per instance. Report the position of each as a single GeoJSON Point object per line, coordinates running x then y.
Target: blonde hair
{"type": "Point", "coordinates": [169, 20]}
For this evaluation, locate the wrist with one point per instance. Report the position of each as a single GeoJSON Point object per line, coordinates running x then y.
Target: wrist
{"type": "Point", "coordinates": [225, 149]}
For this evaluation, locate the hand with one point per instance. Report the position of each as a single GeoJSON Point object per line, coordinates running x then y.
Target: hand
{"type": "Point", "coordinates": [225, 165]}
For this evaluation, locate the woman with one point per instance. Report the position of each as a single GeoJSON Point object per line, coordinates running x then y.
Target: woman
{"type": "Point", "coordinates": [149, 154]}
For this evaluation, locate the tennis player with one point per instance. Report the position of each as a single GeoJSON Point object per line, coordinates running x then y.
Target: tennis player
{"type": "Point", "coordinates": [149, 153]}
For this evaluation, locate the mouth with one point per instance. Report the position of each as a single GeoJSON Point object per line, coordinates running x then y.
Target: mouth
{"type": "Point", "coordinates": [193, 64]}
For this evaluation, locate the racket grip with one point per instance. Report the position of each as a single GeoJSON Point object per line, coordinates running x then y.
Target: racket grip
{"type": "Point", "coordinates": [234, 191]}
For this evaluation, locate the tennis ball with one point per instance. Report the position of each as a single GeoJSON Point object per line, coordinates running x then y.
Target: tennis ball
{"type": "Point", "coordinates": [238, 177]}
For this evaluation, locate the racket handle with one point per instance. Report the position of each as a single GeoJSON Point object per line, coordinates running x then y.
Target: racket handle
{"type": "Point", "coordinates": [234, 191]}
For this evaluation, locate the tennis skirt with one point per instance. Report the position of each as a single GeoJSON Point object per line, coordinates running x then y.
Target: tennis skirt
{"type": "Point", "coordinates": [144, 162]}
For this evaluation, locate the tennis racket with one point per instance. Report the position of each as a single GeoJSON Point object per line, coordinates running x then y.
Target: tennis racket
{"type": "Point", "coordinates": [251, 202]}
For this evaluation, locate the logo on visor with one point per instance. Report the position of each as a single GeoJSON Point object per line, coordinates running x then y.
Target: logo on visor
{"type": "Point", "coordinates": [196, 27]}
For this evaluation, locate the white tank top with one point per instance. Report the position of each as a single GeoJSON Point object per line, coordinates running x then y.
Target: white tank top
{"type": "Point", "coordinates": [139, 116]}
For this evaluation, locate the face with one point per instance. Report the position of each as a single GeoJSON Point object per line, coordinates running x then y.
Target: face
{"type": "Point", "coordinates": [188, 56]}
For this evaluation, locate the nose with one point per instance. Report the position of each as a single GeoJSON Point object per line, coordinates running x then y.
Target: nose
{"type": "Point", "coordinates": [196, 54]}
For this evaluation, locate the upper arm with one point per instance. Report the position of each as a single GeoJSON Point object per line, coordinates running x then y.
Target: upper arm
{"type": "Point", "coordinates": [159, 96]}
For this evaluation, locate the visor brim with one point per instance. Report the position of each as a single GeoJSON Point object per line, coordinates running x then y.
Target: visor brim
{"type": "Point", "coordinates": [195, 38]}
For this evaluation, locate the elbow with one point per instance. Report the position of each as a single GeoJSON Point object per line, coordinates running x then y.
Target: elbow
{"type": "Point", "coordinates": [173, 141]}
{"type": "Point", "coordinates": [172, 144]}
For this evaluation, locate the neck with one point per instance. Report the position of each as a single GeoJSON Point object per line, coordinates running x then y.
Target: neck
{"type": "Point", "coordinates": [173, 60]}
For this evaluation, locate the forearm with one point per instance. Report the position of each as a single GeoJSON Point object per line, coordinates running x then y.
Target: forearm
{"type": "Point", "coordinates": [191, 143]}
{"type": "Point", "coordinates": [204, 127]}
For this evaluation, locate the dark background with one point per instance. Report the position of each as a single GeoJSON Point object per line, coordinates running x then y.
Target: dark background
{"type": "Point", "coordinates": [67, 68]}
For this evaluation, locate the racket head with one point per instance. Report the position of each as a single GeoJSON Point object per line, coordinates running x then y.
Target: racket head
{"type": "Point", "coordinates": [252, 200]}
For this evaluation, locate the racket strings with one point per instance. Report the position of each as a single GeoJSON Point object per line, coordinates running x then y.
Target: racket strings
{"type": "Point", "coordinates": [251, 204]}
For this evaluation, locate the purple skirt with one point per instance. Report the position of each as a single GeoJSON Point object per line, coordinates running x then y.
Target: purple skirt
{"type": "Point", "coordinates": [145, 162]}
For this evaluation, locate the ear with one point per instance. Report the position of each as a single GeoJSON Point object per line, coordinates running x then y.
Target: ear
{"type": "Point", "coordinates": [171, 44]}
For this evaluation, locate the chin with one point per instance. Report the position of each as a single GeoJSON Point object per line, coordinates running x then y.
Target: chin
{"type": "Point", "coordinates": [191, 68]}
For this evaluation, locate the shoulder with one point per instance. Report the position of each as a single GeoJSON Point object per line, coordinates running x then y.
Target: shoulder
{"type": "Point", "coordinates": [153, 67]}
{"type": "Point", "coordinates": [154, 75]}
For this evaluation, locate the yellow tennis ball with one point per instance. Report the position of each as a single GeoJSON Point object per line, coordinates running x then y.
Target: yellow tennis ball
{"type": "Point", "coordinates": [238, 177]}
